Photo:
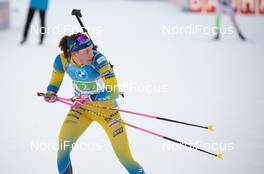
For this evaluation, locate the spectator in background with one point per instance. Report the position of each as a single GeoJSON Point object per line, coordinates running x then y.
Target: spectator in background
{"type": "Point", "coordinates": [225, 6]}
{"type": "Point", "coordinates": [36, 5]}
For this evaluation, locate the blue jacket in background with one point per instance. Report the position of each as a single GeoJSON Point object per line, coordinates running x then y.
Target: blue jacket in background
{"type": "Point", "coordinates": [39, 4]}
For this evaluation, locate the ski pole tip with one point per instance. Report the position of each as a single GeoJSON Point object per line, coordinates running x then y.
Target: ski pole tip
{"type": "Point", "coordinates": [220, 156]}
{"type": "Point", "coordinates": [210, 127]}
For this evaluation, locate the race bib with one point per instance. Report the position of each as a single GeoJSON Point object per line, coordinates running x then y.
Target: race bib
{"type": "Point", "coordinates": [89, 88]}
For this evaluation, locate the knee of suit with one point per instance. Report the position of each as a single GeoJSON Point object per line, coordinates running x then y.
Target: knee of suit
{"type": "Point", "coordinates": [65, 146]}
{"type": "Point", "coordinates": [64, 150]}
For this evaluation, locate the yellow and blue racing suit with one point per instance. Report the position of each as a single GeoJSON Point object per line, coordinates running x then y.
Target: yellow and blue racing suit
{"type": "Point", "coordinates": [89, 82]}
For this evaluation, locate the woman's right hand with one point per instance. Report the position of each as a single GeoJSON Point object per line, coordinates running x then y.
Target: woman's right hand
{"type": "Point", "coordinates": [50, 97]}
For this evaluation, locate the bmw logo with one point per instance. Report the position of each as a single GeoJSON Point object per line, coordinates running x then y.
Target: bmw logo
{"type": "Point", "coordinates": [81, 74]}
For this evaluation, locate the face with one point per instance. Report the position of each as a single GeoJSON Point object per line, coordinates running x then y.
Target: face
{"type": "Point", "coordinates": [84, 56]}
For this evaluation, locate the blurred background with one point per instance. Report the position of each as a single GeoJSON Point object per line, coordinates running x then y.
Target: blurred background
{"type": "Point", "coordinates": [168, 62]}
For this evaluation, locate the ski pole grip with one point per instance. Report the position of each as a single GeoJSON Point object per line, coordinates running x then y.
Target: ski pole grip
{"type": "Point", "coordinates": [41, 94]}
{"type": "Point", "coordinates": [76, 12]}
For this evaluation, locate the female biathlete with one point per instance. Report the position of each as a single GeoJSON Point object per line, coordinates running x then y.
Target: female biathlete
{"type": "Point", "coordinates": [91, 74]}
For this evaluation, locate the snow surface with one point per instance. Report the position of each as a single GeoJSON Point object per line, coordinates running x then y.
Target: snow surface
{"type": "Point", "coordinates": [206, 82]}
